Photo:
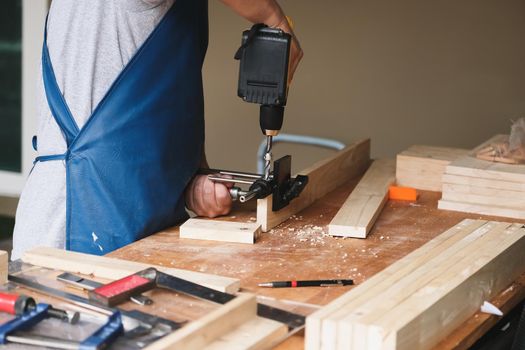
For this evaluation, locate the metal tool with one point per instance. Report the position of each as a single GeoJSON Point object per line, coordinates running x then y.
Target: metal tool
{"type": "Point", "coordinates": [83, 283]}
{"type": "Point", "coordinates": [280, 184]}
{"type": "Point", "coordinates": [136, 323]}
{"type": "Point", "coordinates": [18, 305]}
{"type": "Point", "coordinates": [119, 290]}
{"type": "Point", "coordinates": [264, 58]}
{"type": "Point", "coordinates": [13, 331]}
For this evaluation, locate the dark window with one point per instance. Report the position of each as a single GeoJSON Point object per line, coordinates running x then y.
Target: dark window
{"type": "Point", "coordinates": [11, 85]}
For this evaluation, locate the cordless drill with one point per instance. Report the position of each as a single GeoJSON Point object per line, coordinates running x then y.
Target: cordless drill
{"type": "Point", "coordinates": [263, 78]}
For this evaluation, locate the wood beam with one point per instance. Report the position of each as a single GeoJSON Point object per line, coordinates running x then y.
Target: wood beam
{"type": "Point", "coordinates": [224, 328]}
{"type": "Point", "coordinates": [323, 177]}
{"type": "Point", "coordinates": [113, 269]}
{"type": "Point", "coordinates": [360, 211]}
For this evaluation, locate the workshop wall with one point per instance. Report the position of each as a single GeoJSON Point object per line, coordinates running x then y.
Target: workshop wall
{"type": "Point", "coordinates": [401, 72]}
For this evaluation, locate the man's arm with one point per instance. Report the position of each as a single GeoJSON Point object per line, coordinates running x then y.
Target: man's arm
{"type": "Point", "coordinates": [270, 13]}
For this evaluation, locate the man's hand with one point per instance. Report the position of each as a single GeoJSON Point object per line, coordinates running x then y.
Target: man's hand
{"type": "Point", "coordinates": [207, 198]}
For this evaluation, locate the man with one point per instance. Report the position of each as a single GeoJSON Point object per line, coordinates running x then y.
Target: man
{"type": "Point", "coordinates": [121, 128]}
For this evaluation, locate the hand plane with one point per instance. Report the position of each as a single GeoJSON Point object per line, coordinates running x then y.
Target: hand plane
{"type": "Point", "coordinates": [264, 57]}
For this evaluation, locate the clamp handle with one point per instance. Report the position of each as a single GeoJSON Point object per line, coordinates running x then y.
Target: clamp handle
{"type": "Point", "coordinates": [24, 321]}
{"type": "Point", "coordinates": [105, 335]}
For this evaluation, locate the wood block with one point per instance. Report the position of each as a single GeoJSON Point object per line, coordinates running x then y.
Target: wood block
{"type": "Point", "coordinates": [111, 268]}
{"type": "Point", "coordinates": [360, 211]}
{"type": "Point", "coordinates": [422, 167]}
{"type": "Point", "coordinates": [322, 326]}
{"type": "Point", "coordinates": [324, 176]}
{"type": "Point", "coordinates": [4, 264]}
{"type": "Point", "coordinates": [492, 210]}
{"type": "Point", "coordinates": [226, 328]}
{"type": "Point", "coordinates": [224, 231]}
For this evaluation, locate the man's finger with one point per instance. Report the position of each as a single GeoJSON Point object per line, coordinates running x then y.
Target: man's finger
{"type": "Point", "coordinates": [223, 198]}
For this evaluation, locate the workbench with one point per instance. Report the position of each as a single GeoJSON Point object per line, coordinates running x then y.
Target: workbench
{"type": "Point", "coordinates": [300, 248]}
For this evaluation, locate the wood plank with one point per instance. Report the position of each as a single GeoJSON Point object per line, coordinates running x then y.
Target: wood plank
{"type": "Point", "coordinates": [4, 263]}
{"type": "Point", "coordinates": [368, 313]}
{"type": "Point", "coordinates": [422, 167]}
{"type": "Point", "coordinates": [326, 319]}
{"type": "Point", "coordinates": [335, 332]}
{"type": "Point", "coordinates": [500, 194]}
{"type": "Point", "coordinates": [492, 210]}
{"type": "Point", "coordinates": [224, 328]}
{"type": "Point", "coordinates": [360, 211]}
{"type": "Point", "coordinates": [324, 176]}
{"type": "Point", "coordinates": [473, 167]}
{"type": "Point", "coordinates": [218, 230]}
{"type": "Point", "coordinates": [454, 195]}
{"type": "Point", "coordinates": [485, 183]}
{"type": "Point", "coordinates": [257, 333]}
{"type": "Point", "coordinates": [111, 268]}
{"type": "Point", "coordinates": [457, 293]}
{"type": "Point", "coordinates": [478, 325]}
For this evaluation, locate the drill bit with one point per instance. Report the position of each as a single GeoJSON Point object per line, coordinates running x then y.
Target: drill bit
{"type": "Point", "coordinates": [268, 157]}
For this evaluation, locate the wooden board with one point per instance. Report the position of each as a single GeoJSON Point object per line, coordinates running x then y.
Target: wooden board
{"type": "Point", "coordinates": [412, 284]}
{"type": "Point", "coordinates": [422, 167]}
{"type": "Point", "coordinates": [323, 177]}
{"type": "Point", "coordinates": [325, 321]}
{"type": "Point", "coordinates": [224, 328]}
{"type": "Point", "coordinates": [479, 186]}
{"type": "Point", "coordinates": [111, 268]}
{"type": "Point", "coordinates": [219, 230]}
{"type": "Point", "coordinates": [485, 183]}
{"type": "Point", "coordinates": [473, 167]}
{"type": "Point", "coordinates": [493, 210]}
{"type": "Point", "coordinates": [360, 211]}
{"type": "Point", "coordinates": [401, 314]}
{"type": "Point", "coordinates": [418, 323]}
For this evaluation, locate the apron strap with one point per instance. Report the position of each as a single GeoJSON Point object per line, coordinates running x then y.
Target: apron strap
{"type": "Point", "coordinates": [50, 157]}
{"type": "Point", "coordinates": [55, 99]}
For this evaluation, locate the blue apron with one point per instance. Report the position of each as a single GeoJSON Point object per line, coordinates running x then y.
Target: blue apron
{"type": "Point", "coordinates": [127, 168]}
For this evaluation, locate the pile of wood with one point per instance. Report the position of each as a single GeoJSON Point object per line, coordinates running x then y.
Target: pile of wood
{"type": "Point", "coordinates": [422, 167]}
{"type": "Point", "coordinates": [419, 300]}
{"type": "Point", "coordinates": [484, 187]}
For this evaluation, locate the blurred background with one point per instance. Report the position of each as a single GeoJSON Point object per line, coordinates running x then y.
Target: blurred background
{"type": "Point", "coordinates": [404, 72]}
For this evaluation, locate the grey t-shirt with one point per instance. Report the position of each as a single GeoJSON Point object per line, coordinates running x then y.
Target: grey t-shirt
{"type": "Point", "coordinates": [89, 42]}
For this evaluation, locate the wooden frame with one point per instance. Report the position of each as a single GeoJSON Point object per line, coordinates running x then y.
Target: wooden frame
{"type": "Point", "coordinates": [323, 177]}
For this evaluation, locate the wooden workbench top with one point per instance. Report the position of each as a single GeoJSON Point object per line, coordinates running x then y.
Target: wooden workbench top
{"type": "Point", "coordinates": [301, 249]}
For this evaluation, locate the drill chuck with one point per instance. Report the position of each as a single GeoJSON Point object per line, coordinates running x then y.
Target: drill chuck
{"type": "Point", "coordinates": [271, 119]}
